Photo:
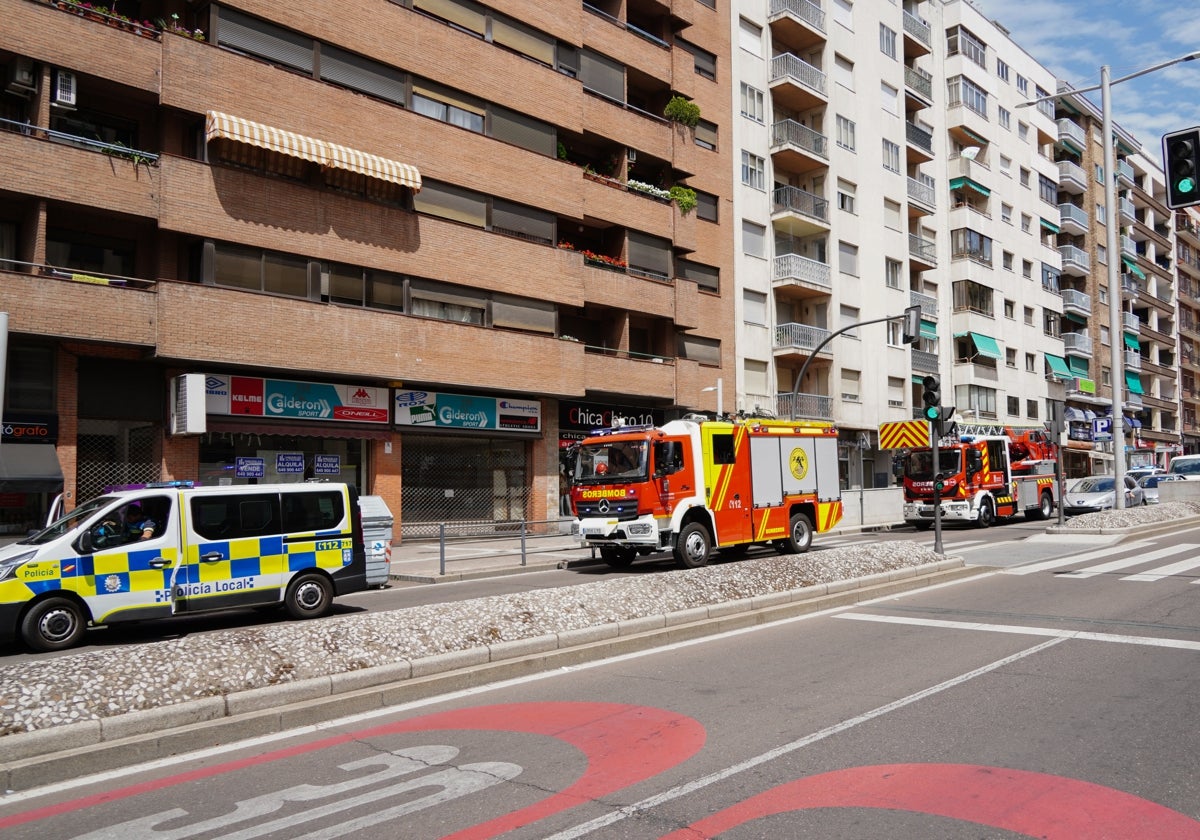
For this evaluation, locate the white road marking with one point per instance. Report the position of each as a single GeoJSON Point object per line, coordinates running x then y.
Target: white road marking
{"type": "Point", "coordinates": [1168, 570]}
{"type": "Point", "coordinates": [1059, 562]}
{"type": "Point", "coordinates": [1019, 630]}
{"type": "Point", "coordinates": [1124, 562]}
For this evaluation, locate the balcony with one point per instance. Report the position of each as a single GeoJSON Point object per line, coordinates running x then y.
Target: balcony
{"type": "Point", "coordinates": [918, 88]}
{"type": "Point", "coordinates": [799, 212]}
{"type": "Point", "coordinates": [924, 361]}
{"type": "Point", "coordinates": [797, 148]}
{"type": "Point", "coordinates": [807, 406]}
{"type": "Point", "coordinates": [801, 277]}
{"type": "Point", "coordinates": [1075, 261]}
{"type": "Point", "coordinates": [1128, 247]}
{"type": "Point", "coordinates": [1126, 209]}
{"type": "Point", "coordinates": [1071, 177]}
{"type": "Point", "coordinates": [1077, 344]}
{"type": "Point", "coordinates": [1133, 360]}
{"type": "Point", "coordinates": [918, 39]}
{"type": "Point", "coordinates": [797, 23]}
{"type": "Point", "coordinates": [1072, 220]}
{"type": "Point", "coordinates": [922, 253]}
{"type": "Point", "coordinates": [919, 143]}
{"type": "Point", "coordinates": [799, 341]}
{"type": "Point", "coordinates": [1129, 287]}
{"type": "Point", "coordinates": [796, 84]}
{"type": "Point", "coordinates": [1076, 301]}
{"type": "Point", "coordinates": [1125, 173]}
{"type": "Point", "coordinates": [922, 197]}
{"type": "Point", "coordinates": [1130, 322]}
{"type": "Point", "coordinates": [928, 304]}
{"type": "Point", "coordinates": [1071, 135]}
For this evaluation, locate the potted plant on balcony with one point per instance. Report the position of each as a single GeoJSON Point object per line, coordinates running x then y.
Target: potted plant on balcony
{"type": "Point", "coordinates": [684, 198]}
{"type": "Point", "coordinates": [683, 111]}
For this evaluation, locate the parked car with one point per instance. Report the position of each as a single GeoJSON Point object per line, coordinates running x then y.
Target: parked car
{"type": "Point", "coordinates": [1095, 493]}
{"type": "Point", "coordinates": [1138, 473]}
{"type": "Point", "coordinates": [1149, 485]}
{"type": "Point", "coordinates": [1187, 466]}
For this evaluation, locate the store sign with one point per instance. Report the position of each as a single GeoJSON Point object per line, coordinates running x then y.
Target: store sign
{"type": "Point", "coordinates": [461, 411]}
{"type": "Point", "coordinates": [578, 420]}
{"type": "Point", "coordinates": [250, 467]}
{"type": "Point", "coordinates": [327, 464]}
{"type": "Point", "coordinates": [289, 463]}
{"type": "Point", "coordinates": [18, 429]}
{"type": "Point", "coordinates": [281, 399]}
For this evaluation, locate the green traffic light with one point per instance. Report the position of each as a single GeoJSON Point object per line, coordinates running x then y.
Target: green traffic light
{"type": "Point", "coordinates": [931, 412]}
{"type": "Point", "coordinates": [1186, 186]}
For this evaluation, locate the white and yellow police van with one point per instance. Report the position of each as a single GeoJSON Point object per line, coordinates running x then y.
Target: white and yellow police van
{"type": "Point", "coordinates": [163, 551]}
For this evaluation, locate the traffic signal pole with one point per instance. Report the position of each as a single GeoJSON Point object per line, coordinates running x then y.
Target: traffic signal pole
{"type": "Point", "coordinates": [935, 435]}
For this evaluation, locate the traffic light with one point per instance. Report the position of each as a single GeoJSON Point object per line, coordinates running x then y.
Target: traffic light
{"type": "Point", "coordinates": [911, 332]}
{"type": "Point", "coordinates": [1181, 162]}
{"type": "Point", "coordinates": [932, 397]}
{"type": "Point", "coordinates": [939, 483]}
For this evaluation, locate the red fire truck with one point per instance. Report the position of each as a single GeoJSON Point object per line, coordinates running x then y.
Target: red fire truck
{"type": "Point", "coordinates": [696, 484]}
{"type": "Point", "coordinates": [984, 477]}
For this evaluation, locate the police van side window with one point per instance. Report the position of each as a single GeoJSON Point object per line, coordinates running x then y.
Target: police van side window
{"type": "Point", "coordinates": [312, 511]}
{"type": "Point", "coordinates": [236, 516]}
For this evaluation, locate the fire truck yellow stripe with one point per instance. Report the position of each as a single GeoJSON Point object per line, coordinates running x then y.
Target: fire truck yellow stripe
{"type": "Point", "coordinates": [725, 473]}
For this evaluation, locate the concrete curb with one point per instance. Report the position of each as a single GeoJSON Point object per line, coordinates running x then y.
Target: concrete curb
{"type": "Point", "coordinates": [43, 757]}
{"type": "Point", "coordinates": [1135, 531]}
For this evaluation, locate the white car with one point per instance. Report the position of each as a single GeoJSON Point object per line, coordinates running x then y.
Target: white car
{"type": "Point", "coordinates": [1187, 466]}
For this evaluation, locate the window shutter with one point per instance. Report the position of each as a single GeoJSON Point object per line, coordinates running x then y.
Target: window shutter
{"type": "Point", "coordinates": [523, 314]}
{"type": "Point", "coordinates": [264, 40]}
{"type": "Point", "coordinates": [705, 276]}
{"type": "Point", "coordinates": [650, 254]}
{"type": "Point", "coordinates": [602, 75]}
{"type": "Point", "coordinates": [451, 202]}
{"type": "Point", "coordinates": [524, 40]}
{"type": "Point", "coordinates": [523, 131]}
{"type": "Point", "coordinates": [525, 222]}
{"type": "Point", "coordinates": [466, 15]}
{"type": "Point", "coordinates": [362, 74]}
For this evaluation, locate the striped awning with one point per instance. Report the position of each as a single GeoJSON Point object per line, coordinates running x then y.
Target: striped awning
{"type": "Point", "coordinates": [332, 155]}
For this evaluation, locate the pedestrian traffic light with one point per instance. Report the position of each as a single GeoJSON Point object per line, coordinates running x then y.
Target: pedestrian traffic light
{"type": "Point", "coordinates": [932, 397]}
{"type": "Point", "coordinates": [1181, 162]}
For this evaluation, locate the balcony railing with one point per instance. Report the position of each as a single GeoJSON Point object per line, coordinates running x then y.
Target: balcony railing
{"type": "Point", "coordinates": [918, 136]}
{"type": "Point", "coordinates": [1126, 208]}
{"type": "Point", "coordinates": [790, 67]}
{"type": "Point", "coordinates": [800, 336]}
{"type": "Point", "coordinates": [924, 361]}
{"type": "Point", "coordinates": [920, 81]}
{"type": "Point", "coordinates": [1073, 299]}
{"type": "Point", "coordinates": [795, 200]}
{"type": "Point", "coordinates": [796, 267]}
{"type": "Point", "coordinates": [1125, 172]}
{"type": "Point", "coordinates": [812, 406]}
{"type": "Point", "coordinates": [917, 28]}
{"type": "Point", "coordinates": [923, 249]}
{"type": "Point", "coordinates": [1070, 213]}
{"type": "Point", "coordinates": [1075, 257]}
{"type": "Point", "coordinates": [928, 303]}
{"type": "Point", "coordinates": [1070, 171]}
{"type": "Point", "coordinates": [1128, 246]}
{"type": "Point", "coordinates": [117, 150]}
{"type": "Point", "coordinates": [1130, 322]}
{"type": "Point", "coordinates": [1078, 343]}
{"type": "Point", "coordinates": [922, 192]}
{"type": "Point", "coordinates": [810, 13]}
{"type": "Point", "coordinates": [1071, 130]}
{"type": "Point", "coordinates": [792, 133]}
{"type": "Point", "coordinates": [1133, 360]}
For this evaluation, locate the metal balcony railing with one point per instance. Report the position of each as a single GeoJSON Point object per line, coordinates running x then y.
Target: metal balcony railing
{"type": "Point", "coordinates": [1071, 130]}
{"type": "Point", "coordinates": [928, 303]}
{"type": "Point", "coordinates": [1076, 300]}
{"type": "Point", "coordinates": [792, 133]}
{"type": "Point", "coordinates": [1077, 257]}
{"type": "Point", "coordinates": [922, 192]}
{"type": "Point", "coordinates": [1070, 213]}
{"type": "Point", "coordinates": [1077, 343]}
{"type": "Point", "coordinates": [796, 267]}
{"type": "Point", "coordinates": [799, 336]}
{"type": "Point", "coordinates": [924, 249]}
{"type": "Point", "coordinates": [795, 200]}
{"type": "Point", "coordinates": [919, 81]}
{"type": "Point", "coordinates": [918, 136]}
{"type": "Point", "coordinates": [811, 406]}
{"type": "Point", "coordinates": [810, 13]}
{"type": "Point", "coordinates": [917, 28]}
{"type": "Point", "coordinates": [788, 66]}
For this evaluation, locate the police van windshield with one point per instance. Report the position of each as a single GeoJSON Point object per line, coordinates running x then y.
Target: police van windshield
{"type": "Point", "coordinates": [919, 465]}
{"type": "Point", "coordinates": [604, 462]}
{"type": "Point", "coordinates": [69, 522]}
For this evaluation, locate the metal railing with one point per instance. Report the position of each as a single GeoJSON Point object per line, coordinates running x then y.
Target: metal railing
{"type": "Point", "coordinates": [57, 272]}
{"type": "Point", "coordinates": [918, 28]}
{"type": "Point", "coordinates": [114, 149]}
{"type": "Point", "coordinates": [923, 249]}
{"type": "Point", "coordinates": [922, 192]}
{"type": "Point", "coordinates": [801, 336]}
{"type": "Point", "coordinates": [791, 67]}
{"type": "Point", "coordinates": [919, 81]}
{"type": "Point", "coordinates": [810, 13]}
{"type": "Point", "coordinates": [796, 267]}
{"type": "Point", "coordinates": [918, 136]}
{"type": "Point", "coordinates": [1076, 300]}
{"type": "Point", "coordinates": [792, 133]}
{"type": "Point", "coordinates": [475, 540]}
{"type": "Point", "coordinates": [928, 303]}
{"type": "Point", "coordinates": [1071, 130]}
{"type": "Point", "coordinates": [800, 201]}
{"type": "Point", "coordinates": [814, 406]}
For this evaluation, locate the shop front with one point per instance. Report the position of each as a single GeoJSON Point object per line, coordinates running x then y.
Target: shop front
{"type": "Point", "coordinates": [30, 474]}
{"type": "Point", "coordinates": [466, 459]}
{"type": "Point", "coordinates": [263, 431]}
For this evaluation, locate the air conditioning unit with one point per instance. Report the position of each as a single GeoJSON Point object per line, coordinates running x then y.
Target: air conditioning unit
{"type": "Point", "coordinates": [22, 79]}
{"type": "Point", "coordinates": [188, 410]}
{"type": "Point", "coordinates": [63, 92]}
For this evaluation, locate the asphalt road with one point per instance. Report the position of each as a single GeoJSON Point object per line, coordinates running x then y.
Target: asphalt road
{"type": "Point", "coordinates": [1052, 699]}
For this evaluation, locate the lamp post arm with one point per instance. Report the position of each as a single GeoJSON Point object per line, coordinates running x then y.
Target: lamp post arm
{"type": "Point", "coordinates": [817, 349]}
{"type": "Point", "coordinates": [1070, 91]}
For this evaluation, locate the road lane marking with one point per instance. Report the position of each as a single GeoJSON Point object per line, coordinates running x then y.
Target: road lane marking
{"type": "Point", "coordinates": [1058, 563]}
{"type": "Point", "coordinates": [1168, 570]}
{"type": "Point", "coordinates": [1125, 562]}
{"type": "Point", "coordinates": [1020, 630]}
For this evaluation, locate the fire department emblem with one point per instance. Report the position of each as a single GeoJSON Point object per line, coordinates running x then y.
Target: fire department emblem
{"type": "Point", "coordinates": [798, 462]}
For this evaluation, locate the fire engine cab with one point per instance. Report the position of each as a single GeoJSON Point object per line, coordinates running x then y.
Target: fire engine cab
{"type": "Point", "coordinates": [696, 484]}
{"type": "Point", "coordinates": [984, 478]}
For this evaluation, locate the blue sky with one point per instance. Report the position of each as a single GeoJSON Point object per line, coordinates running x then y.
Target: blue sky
{"type": "Point", "coordinates": [1074, 38]}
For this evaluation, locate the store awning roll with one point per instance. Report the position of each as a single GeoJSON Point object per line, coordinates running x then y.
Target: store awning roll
{"type": "Point", "coordinates": [374, 166]}
{"type": "Point", "coordinates": [30, 468]}
{"type": "Point", "coordinates": [1059, 367]}
{"type": "Point", "coordinates": [218, 126]}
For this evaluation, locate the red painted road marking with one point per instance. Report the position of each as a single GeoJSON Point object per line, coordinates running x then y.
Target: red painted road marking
{"type": "Point", "coordinates": [1034, 804]}
{"type": "Point", "coordinates": [623, 745]}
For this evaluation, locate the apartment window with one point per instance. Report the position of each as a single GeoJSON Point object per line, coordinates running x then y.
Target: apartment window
{"type": "Point", "coordinates": [1029, 316]}
{"type": "Point", "coordinates": [1031, 409]}
{"type": "Point", "coordinates": [1050, 278]}
{"type": "Point", "coordinates": [849, 316]}
{"type": "Point", "coordinates": [848, 258]}
{"type": "Point", "coordinates": [971, 244]}
{"type": "Point", "coordinates": [754, 307]}
{"type": "Point", "coordinates": [845, 133]}
{"type": "Point", "coordinates": [706, 351]}
{"type": "Point", "coordinates": [1007, 260]}
{"type": "Point", "coordinates": [893, 272]}
{"type": "Point", "coordinates": [962, 91]}
{"type": "Point", "coordinates": [706, 206]}
{"type": "Point", "coordinates": [523, 222]}
{"type": "Point", "coordinates": [1001, 70]}
{"type": "Point", "coordinates": [962, 40]}
{"type": "Point", "coordinates": [1005, 117]}
{"type": "Point", "coordinates": [1010, 309]}
{"type": "Point", "coordinates": [891, 214]}
{"type": "Point", "coordinates": [845, 196]}
{"type": "Point", "coordinates": [750, 37]}
{"type": "Point", "coordinates": [843, 13]}
{"type": "Point", "coordinates": [1030, 362]}
{"type": "Point", "coordinates": [1101, 214]}
{"type": "Point", "coordinates": [254, 269]}
{"type": "Point", "coordinates": [1014, 406]}
{"type": "Point", "coordinates": [704, 62]}
{"type": "Point", "coordinates": [448, 106]}
{"type": "Point", "coordinates": [850, 385]}
{"type": "Point", "coordinates": [754, 171]}
{"type": "Point", "coordinates": [1047, 189]}
{"type": "Point", "coordinates": [1022, 84]}
{"type": "Point", "coordinates": [887, 41]}
{"type": "Point", "coordinates": [891, 156]}
{"type": "Point", "coordinates": [752, 103]}
{"type": "Point", "coordinates": [982, 400]}
{"type": "Point", "coordinates": [1026, 223]}
{"type": "Point", "coordinates": [1006, 213]}
{"type": "Point", "coordinates": [888, 96]}
{"type": "Point", "coordinates": [1102, 254]}
{"type": "Point", "coordinates": [1051, 323]}
{"type": "Point", "coordinates": [706, 135]}
{"type": "Point", "coordinates": [895, 335]}
{"type": "Point", "coordinates": [756, 377]}
{"type": "Point", "coordinates": [1024, 177]}
{"type": "Point", "coordinates": [706, 277]}
{"type": "Point", "coordinates": [1006, 166]}
{"type": "Point", "coordinates": [1027, 269]}
{"type": "Point", "coordinates": [754, 239]}
{"type": "Point", "coordinates": [1104, 338]}
{"type": "Point", "coordinates": [970, 296]}
{"type": "Point", "coordinates": [1102, 294]}
{"type": "Point", "coordinates": [1010, 357]}
{"type": "Point", "coordinates": [446, 302]}
{"type": "Point", "coordinates": [1023, 132]}
{"type": "Point", "coordinates": [843, 72]}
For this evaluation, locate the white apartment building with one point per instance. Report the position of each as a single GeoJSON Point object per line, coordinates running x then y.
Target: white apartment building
{"type": "Point", "coordinates": [884, 162]}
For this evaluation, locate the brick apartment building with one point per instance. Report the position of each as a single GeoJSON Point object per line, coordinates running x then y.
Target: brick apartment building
{"type": "Point", "coordinates": [422, 244]}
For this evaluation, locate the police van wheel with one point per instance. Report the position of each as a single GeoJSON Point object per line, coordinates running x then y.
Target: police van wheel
{"type": "Point", "coordinates": [693, 546]}
{"type": "Point", "coordinates": [308, 596]}
{"type": "Point", "coordinates": [53, 624]}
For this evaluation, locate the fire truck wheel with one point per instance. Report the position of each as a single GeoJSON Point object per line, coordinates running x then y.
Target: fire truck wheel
{"type": "Point", "coordinates": [922, 526]}
{"type": "Point", "coordinates": [618, 558]}
{"type": "Point", "coordinates": [800, 534]}
{"type": "Point", "coordinates": [987, 514]}
{"type": "Point", "coordinates": [1044, 509]}
{"type": "Point", "coordinates": [693, 546]}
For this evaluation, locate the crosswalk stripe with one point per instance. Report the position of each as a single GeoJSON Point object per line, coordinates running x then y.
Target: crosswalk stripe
{"type": "Point", "coordinates": [1168, 570]}
{"type": "Point", "coordinates": [1074, 559]}
{"type": "Point", "coordinates": [1124, 563]}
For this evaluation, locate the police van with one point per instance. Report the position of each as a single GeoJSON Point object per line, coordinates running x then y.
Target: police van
{"type": "Point", "coordinates": [163, 551]}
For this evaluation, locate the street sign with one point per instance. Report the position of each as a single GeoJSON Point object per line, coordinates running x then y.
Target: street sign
{"type": "Point", "coordinates": [1102, 429]}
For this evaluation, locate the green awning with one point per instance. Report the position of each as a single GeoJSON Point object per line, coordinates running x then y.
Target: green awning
{"type": "Point", "coordinates": [1133, 268]}
{"type": "Point", "coordinates": [1077, 319]}
{"type": "Point", "coordinates": [928, 330]}
{"type": "Point", "coordinates": [980, 140]}
{"type": "Point", "coordinates": [1134, 382]}
{"type": "Point", "coordinates": [1078, 366]}
{"type": "Point", "coordinates": [1132, 343]}
{"type": "Point", "coordinates": [1058, 367]}
{"type": "Point", "coordinates": [1070, 144]}
{"type": "Point", "coordinates": [1050, 226]}
{"type": "Point", "coordinates": [987, 346]}
{"type": "Point", "coordinates": [959, 183]}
